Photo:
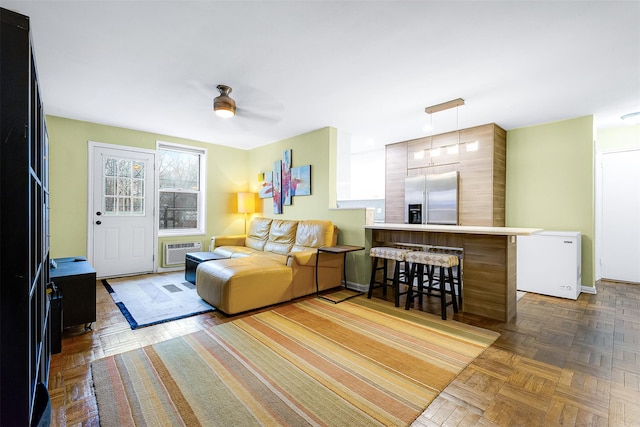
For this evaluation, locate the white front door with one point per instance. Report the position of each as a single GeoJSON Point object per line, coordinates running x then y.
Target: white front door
{"type": "Point", "coordinates": [620, 256]}
{"type": "Point", "coordinates": [122, 210]}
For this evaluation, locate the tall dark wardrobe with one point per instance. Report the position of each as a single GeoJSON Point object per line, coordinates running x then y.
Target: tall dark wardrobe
{"type": "Point", "coordinates": [25, 348]}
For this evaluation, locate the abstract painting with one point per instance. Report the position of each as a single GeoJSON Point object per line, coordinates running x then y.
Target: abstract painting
{"type": "Point", "coordinates": [265, 185]}
{"type": "Point", "coordinates": [286, 177]}
{"type": "Point", "coordinates": [277, 187]}
{"type": "Point", "coordinates": [301, 181]}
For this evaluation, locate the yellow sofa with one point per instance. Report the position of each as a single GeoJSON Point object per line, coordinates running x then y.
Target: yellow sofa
{"type": "Point", "coordinates": [274, 262]}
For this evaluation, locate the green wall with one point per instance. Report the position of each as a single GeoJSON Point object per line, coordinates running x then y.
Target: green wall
{"type": "Point", "coordinates": [68, 142]}
{"type": "Point", "coordinates": [317, 149]}
{"type": "Point", "coordinates": [550, 182]}
{"type": "Point", "coordinates": [230, 171]}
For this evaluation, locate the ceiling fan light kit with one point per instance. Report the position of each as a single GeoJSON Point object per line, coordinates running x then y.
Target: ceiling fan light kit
{"type": "Point", "coordinates": [224, 106]}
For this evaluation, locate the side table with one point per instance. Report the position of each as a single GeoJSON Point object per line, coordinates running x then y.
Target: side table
{"type": "Point", "coordinates": [76, 279]}
{"type": "Point", "coordinates": [339, 249]}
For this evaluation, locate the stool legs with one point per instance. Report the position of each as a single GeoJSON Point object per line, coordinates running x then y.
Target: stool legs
{"type": "Point", "coordinates": [417, 270]}
{"type": "Point", "coordinates": [412, 273]}
{"type": "Point", "coordinates": [396, 284]}
{"type": "Point", "coordinates": [443, 292]}
{"type": "Point", "coordinates": [395, 281]}
{"type": "Point", "coordinates": [459, 279]}
{"type": "Point", "coordinates": [374, 269]}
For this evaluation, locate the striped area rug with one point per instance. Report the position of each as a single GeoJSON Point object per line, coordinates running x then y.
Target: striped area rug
{"type": "Point", "coordinates": [358, 363]}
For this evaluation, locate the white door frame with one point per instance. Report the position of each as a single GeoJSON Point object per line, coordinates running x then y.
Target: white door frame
{"type": "Point", "coordinates": [599, 207]}
{"type": "Point", "coordinates": [92, 145]}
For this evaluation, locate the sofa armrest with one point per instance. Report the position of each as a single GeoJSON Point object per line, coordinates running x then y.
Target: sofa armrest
{"type": "Point", "coordinates": [302, 258]}
{"type": "Point", "coordinates": [308, 258]}
{"type": "Point", "coordinates": [226, 241]}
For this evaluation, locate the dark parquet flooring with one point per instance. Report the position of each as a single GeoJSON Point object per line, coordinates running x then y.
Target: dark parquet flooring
{"type": "Point", "coordinates": [559, 362]}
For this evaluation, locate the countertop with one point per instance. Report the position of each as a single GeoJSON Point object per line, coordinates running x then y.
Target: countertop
{"type": "Point", "coordinates": [466, 229]}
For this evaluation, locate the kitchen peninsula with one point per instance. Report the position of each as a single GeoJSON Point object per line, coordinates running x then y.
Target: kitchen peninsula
{"type": "Point", "coordinates": [489, 266]}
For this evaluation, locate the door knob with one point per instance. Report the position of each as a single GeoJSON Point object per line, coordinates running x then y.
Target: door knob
{"type": "Point", "coordinates": [98, 222]}
{"type": "Point", "coordinates": [98, 213]}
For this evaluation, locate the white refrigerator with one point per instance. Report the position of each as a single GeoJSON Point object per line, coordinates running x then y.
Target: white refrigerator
{"type": "Point", "coordinates": [550, 263]}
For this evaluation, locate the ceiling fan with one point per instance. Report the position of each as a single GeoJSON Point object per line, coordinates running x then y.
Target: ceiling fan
{"type": "Point", "coordinates": [255, 105]}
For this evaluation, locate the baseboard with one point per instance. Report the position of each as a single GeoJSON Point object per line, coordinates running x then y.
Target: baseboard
{"type": "Point", "coordinates": [169, 269]}
{"type": "Point", "coordinates": [589, 290]}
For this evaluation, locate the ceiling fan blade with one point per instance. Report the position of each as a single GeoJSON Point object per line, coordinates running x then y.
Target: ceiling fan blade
{"type": "Point", "coordinates": [208, 91]}
{"type": "Point", "coordinates": [269, 115]}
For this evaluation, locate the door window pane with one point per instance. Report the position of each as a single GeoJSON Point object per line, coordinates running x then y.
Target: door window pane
{"type": "Point", "coordinates": [123, 187]}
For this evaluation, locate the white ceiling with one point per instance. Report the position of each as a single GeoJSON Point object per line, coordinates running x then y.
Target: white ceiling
{"type": "Point", "coordinates": [368, 68]}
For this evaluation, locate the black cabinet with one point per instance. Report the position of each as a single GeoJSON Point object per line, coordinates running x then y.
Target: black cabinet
{"type": "Point", "coordinates": [75, 278]}
{"type": "Point", "coordinates": [24, 227]}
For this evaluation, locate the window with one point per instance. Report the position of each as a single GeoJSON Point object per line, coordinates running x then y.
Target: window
{"type": "Point", "coordinates": [181, 193]}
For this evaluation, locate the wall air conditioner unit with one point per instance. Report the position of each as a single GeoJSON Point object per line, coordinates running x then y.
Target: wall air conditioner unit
{"type": "Point", "coordinates": [174, 253]}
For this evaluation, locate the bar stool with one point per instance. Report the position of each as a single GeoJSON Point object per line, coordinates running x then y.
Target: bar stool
{"type": "Point", "coordinates": [386, 253]}
{"type": "Point", "coordinates": [459, 252]}
{"type": "Point", "coordinates": [418, 261]}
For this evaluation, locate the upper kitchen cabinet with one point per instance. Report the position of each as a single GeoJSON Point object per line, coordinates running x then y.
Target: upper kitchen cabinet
{"type": "Point", "coordinates": [433, 151]}
{"type": "Point", "coordinates": [478, 154]}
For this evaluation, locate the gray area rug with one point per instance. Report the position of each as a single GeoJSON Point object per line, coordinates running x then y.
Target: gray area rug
{"type": "Point", "coordinates": [155, 298]}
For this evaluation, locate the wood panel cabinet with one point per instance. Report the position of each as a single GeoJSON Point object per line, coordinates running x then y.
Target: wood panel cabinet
{"type": "Point", "coordinates": [483, 171]}
{"type": "Point", "coordinates": [24, 222]}
{"type": "Point", "coordinates": [478, 154]}
{"type": "Point", "coordinates": [396, 172]}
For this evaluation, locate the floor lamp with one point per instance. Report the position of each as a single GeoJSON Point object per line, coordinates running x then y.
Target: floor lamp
{"type": "Point", "coordinates": [246, 205]}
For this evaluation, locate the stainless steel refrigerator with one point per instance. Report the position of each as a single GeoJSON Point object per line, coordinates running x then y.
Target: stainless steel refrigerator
{"type": "Point", "coordinates": [431, 199]}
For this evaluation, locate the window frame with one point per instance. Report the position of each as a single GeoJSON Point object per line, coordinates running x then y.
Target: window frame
{"type": "Point", "coordinates": [202, 205]}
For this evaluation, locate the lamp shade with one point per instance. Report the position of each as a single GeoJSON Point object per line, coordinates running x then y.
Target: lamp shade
{"type": "Point", "coordinates": [246, 202]}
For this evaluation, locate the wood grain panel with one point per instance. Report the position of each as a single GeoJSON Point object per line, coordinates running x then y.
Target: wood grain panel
{"type": "Point", "coordinates": [417, 237]}
{"type": "Point", "coordinates": [418, 155]}
{"type": "Point", "coordinates": [476, 192]}
{"type": "Point", "coordinates": [482, 175]}
{"type": "Point", "coordinates": [489, 284]}
{"type": "Point", "coordinates": [433, 169]}
{"type": "Point", "coordinates": [396, 171]}
{"type": "Point", "coordinates": [499, 175]}
{"type": "Point", "coordinates": [486, 276]}
{"type": "Point", "coordinates": [442, 141]}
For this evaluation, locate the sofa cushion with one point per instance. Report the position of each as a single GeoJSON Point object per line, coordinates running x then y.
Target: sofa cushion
{"type": "Point", "coordinates": [313, 234]}
{"type": "Point", "coordinates": [235, 251]}
{"type": "Point", "coordinates": [258, 233]}
{"type": "Point", "coordinates": [282, 236]}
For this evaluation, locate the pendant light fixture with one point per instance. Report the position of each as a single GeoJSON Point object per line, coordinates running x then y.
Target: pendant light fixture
{"type": "Point", "coordinates": [454, 103]}
{"type": "Point", "coordinates": [224, 106]}
{"type": "Point", "coordinates": [451, 149]}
